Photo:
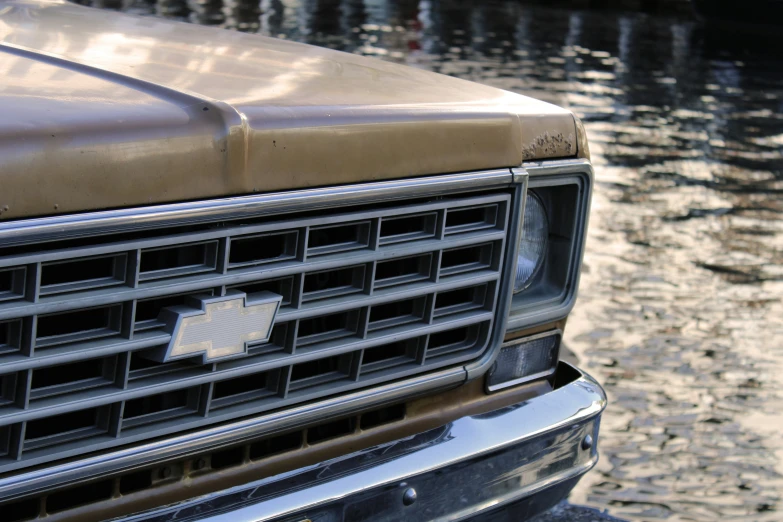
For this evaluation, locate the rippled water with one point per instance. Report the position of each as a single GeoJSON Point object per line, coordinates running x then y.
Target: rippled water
{"type": "Point", "coordinates": [680, 313]}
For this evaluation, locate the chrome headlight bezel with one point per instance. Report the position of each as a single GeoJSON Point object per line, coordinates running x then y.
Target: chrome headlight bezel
{"type": "Point", "coordinates": [564, 188]}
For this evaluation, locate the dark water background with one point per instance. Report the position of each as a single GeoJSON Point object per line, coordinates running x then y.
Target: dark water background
{"type": "Point", "coordinates": [680, 313]}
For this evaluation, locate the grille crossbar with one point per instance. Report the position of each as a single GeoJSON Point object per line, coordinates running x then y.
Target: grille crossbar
{"type": "Point", "coordinates": [368, 297]}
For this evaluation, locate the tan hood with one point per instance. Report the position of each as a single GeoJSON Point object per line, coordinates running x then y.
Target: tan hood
{"type": "Point", "coordinates": [101, 110]}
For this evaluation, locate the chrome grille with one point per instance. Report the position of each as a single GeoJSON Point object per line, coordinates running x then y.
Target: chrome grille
{"type": "Point", "coordinates": [368, 297]}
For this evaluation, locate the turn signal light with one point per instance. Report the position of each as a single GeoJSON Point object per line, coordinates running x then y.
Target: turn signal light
{"type": "Point", "coordinates": [524, 360]}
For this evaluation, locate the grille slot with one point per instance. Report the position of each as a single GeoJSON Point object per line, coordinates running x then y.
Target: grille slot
{"type": "Point", "coordinates": [461, 300]}
{"type": "Point", "coordinates": [10, 336]}
{"type": "Point", "coordinates": [320, 371]}
{"type": "Point", "coordinates": [133, 482]}
{"type": "Point", "coordinates": [166, 262]}
{"type": "Point", "coordinates": [369, 296]}
{"type": "Point", "coordinates": [68, 427]}
{"type": "Point", "coordinates": [78, 496]}
{"type": "Point", "coordinates": [82, 325]}
{"type": "Point", "coordinates": [373, 419]}
{"type": "Point", "coordinates": [275, 445]}
{"type": "Point", "coordinates": [403, 270]}
{"type": "Point", "coordinates": [227, 458]}
{"type": "Point", "coordinates": [471, 218]}
{"type": "Point", "coordinates": [397, 313]}
{"type": "Point", "coordinates": [5, 441]}
{"type": "Point", "coordinates": [242, 389]}
{"type": "Point", "coordinates": [20, 511]}
{"type": "Point", "coordinates": [327, 328]}
{"type": "Point", "coordinates": [338, 238]}
{"type": "Point", "coordinates": [160, 407]}
{"type": "Point", "coordinates": [331, 430]}
{"type": "Point", "coordinates": [263, 248]}
{"type": "Point", "coordinates": [8, 395]}
{"type": "Point", "coordinates": [12, 284]}
{"type": "Point", "coordinates": [76, 376]}
{"type": "Point", "coordinates": [83, 274]}
{"type": "Point", "coordinates": [391, 355]}
{"type": "Point", "coordinates": [408, 228]}
{"type": "Point", "coordinates": [450, 341]}
{"type": "Point", "coordinates": [331, 283]}
{"type": "Point", "coordinates": [466, 259]}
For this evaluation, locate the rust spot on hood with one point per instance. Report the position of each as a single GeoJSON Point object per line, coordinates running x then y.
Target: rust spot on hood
{"type": "Point", "coordinates": [549, 145]}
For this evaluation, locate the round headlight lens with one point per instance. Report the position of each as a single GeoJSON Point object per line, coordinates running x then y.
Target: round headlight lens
{"type": "Point", "coordinates": [532, 247]}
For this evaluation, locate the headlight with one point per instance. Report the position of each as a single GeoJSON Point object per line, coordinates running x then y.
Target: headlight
{"type": "Point", "coordinates": [551, 233]}
{"type": "Point", "coordinates": [532, 246]}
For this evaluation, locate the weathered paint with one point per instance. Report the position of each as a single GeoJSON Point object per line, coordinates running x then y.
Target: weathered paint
{"type": "Point", "coordinates": [549, 145]}
{"type": "Point", "coordinates": [583, 150]}
{"type": "Point", "coordinates": [103, 110]}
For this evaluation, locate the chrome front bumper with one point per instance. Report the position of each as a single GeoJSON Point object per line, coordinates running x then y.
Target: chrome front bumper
{"type": "Point", "coordinates": [527, 456]}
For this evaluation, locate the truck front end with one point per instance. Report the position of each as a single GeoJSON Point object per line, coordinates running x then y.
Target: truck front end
{"type": "Point", "coordinates": [247, 279]}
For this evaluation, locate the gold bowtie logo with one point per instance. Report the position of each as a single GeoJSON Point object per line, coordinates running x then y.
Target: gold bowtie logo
{"type": "Point", "coordinates": [217, 328]}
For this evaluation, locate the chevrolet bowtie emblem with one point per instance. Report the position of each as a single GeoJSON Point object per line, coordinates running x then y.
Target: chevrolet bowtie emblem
{"type": "Point", "coordinates": [217, 327]}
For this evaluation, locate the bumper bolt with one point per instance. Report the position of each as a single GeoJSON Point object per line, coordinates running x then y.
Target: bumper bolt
{"type": "Point", "coordinates": [587, 443]}
{"type": "Point", "coordinates": [409, 497]}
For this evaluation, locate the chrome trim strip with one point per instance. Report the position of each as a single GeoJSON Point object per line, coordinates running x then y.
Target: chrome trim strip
{"type": "Point", "coordinates": [519, 174]}
{"type": "Point", "coordinates": [522, 207]}
{"type": "Point", "coordinates": [549, 168]}
{"type": "Point", "coordinates": [105, 222]}
{"type": "Point", "coordinates": [548, 430]}
{"type": "Point", "coordinates": [72, 472]}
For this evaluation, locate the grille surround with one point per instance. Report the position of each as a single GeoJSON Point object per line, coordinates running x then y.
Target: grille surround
{"type": "Point", "coordinates": [38, 231]}
{"type": "Point", "coordinates": [208, 267]}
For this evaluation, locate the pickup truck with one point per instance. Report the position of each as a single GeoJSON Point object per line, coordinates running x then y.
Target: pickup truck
{"type": "Point", "coordinates": [246, 279]}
